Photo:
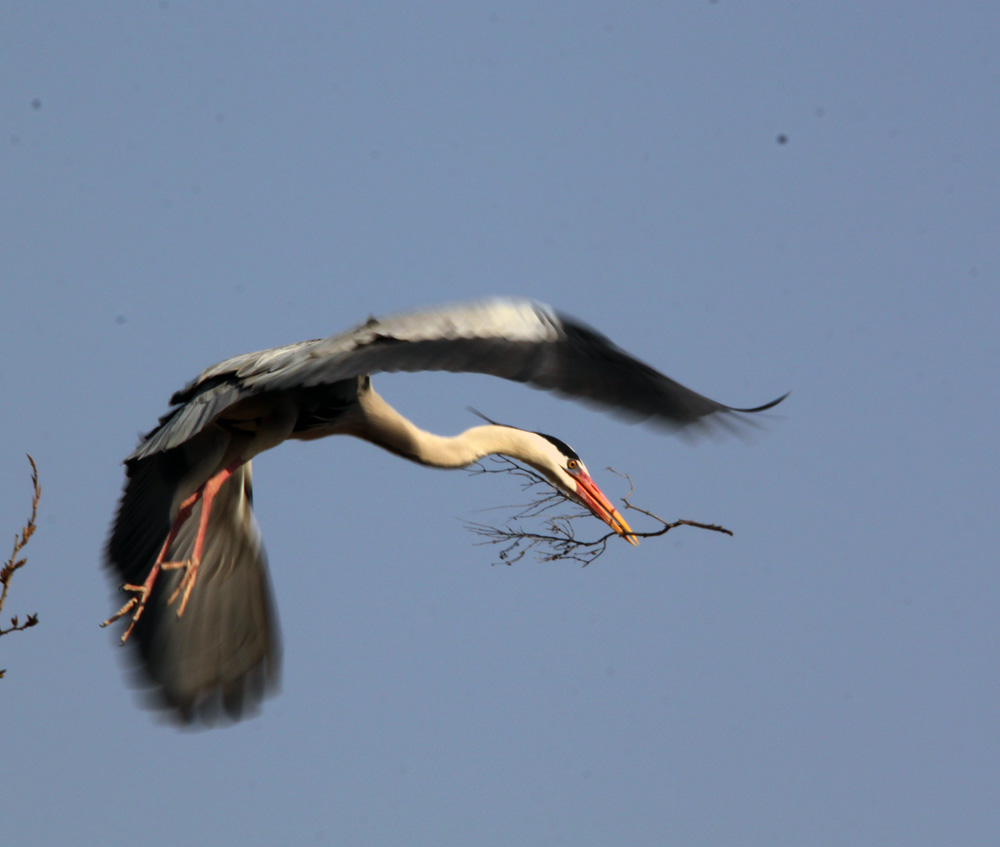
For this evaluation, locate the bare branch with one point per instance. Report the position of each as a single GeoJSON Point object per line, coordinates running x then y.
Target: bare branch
{"type": "Point", "coordinates": [13, 564]}
{"type": "Point", "coordinates": [557, 514]}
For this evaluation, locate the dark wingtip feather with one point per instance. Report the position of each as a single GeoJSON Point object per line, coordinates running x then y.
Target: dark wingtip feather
{"type": "Point", "coordinates": [763, 408]}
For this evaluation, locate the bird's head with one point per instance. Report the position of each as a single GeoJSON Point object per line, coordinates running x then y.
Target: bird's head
{"type": "Point", "coordinates": [564, 469]}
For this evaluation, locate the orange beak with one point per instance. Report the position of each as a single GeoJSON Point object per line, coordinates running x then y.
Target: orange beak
{"type": "Point", "coordinates": [593, 498]}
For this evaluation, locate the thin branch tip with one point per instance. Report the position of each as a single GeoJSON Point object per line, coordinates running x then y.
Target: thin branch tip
{"type": "Point", "coordinates": [556, 539]}
{"type": "Point", "coordinates": [15, 563]}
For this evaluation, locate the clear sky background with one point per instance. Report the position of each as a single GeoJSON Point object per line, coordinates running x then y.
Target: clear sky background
{"type": "Point", "coordinates": [181, 182]}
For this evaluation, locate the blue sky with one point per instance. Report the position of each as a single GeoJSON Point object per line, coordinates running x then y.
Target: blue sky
{"type": "Point", "coordinates": [183, 182]}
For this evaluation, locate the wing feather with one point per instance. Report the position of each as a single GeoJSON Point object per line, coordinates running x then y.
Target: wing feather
{"type": "Point", "coordinates": [224, 652]}
{"type": "Point", "coordinates": [518, 340]}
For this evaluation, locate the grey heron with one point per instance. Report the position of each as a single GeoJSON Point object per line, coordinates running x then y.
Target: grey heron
{"type": "Point", "coordinates": [185, 542]}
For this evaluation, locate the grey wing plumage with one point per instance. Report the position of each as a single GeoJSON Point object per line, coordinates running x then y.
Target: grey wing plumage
{"type": "Point", "coordinates": [224, 652]}
{"type": "Point", "coordinates": [514, 339]}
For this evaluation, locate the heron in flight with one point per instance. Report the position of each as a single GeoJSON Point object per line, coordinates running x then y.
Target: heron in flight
{"type": "Point", "coordinates": [185, 542]}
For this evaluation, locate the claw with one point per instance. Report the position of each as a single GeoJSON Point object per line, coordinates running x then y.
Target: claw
{"type": "Point", "coordinates": [137, 602]}
{"type": "Point", "coordinates": [142, 592]}
{"type": "Point", "coordinates": [190, 567]}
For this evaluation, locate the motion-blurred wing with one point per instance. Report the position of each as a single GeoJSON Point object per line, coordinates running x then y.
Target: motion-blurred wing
{"type": "Point", "coordinates": [514, 339]}
{"type": "Point", "coordinates": [224, 652]}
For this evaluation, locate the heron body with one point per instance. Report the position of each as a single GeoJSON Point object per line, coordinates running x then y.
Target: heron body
{"type": "Point", "coordinates": [185, 541]}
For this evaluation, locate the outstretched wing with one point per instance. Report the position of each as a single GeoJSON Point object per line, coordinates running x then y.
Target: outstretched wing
{"type": "Point", "coordinates": [513, 339]}
{"type": "Point", "coordinates": [224, 651]}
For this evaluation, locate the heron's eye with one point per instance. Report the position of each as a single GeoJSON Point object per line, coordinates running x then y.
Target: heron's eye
{"type": "Point", "coordinates": [572, 465]}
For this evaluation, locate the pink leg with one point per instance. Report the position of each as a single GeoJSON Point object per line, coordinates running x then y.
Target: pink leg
{"type": "Point", "coordinates": [206, 493]}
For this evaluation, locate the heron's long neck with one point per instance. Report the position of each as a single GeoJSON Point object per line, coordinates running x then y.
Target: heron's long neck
{"type": "Point", "coordinates": [384, 426]}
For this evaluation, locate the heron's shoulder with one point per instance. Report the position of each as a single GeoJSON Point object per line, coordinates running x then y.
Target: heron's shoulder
{"type": "Point", "coordinates": [244, 367]}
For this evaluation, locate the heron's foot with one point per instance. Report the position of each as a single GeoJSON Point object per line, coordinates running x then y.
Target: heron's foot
{"type": "Point", "coordinates": [183, 589]}
{"type": "Point", "coordinates": [137, 602]}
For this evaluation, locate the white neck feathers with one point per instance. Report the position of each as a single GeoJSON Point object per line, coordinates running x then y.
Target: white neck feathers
{"type": "Point", "coordinates": [383, 425]}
